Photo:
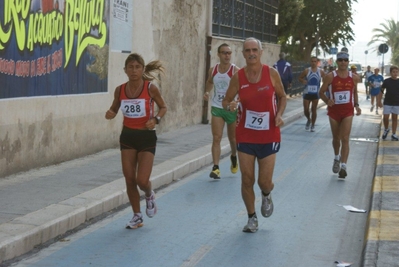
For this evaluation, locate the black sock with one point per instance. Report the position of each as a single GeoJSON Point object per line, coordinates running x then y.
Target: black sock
{"type": "Point", "coordinates": [252, 215]}
{"type": "Point", "coordinates": [234, 160]}
{"type": "Point", "coordinates": [263, 193]}
{"type": "Point", "coordinates": [215, 167]}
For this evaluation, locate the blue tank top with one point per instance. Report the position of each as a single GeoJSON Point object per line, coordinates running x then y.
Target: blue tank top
{"type": "Point", "coordinates": [313, 85]}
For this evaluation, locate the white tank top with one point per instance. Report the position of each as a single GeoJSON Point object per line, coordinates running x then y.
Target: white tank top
{"type": "Point", "coordinates": [220, 84]}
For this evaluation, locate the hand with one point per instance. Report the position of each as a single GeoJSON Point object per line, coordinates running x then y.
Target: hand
{"type": "Point", "coordinates": [234, 105]}
{"type": "Point", "coordinates": [330, 103]}
{"type": "Point", "coordinates": [358, 111]}
{"type": "Point", "coordinates": [206, 96]}
{"type": "Point", "coordinates": [151, 123]}
{"type": "Point", "coordinates": [279, 121]}
{"type": "Point", "coordinates": [110, 114]}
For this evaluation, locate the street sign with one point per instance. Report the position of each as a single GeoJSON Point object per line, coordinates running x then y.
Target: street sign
{"type": "Point", "coordinates": [366, 52]}
{"type": "Point", "coordinates": [383, 48]}
{"type": "Point", "coordinates": [344, 49]}
{"type": "Point", "coordinates": [333, 50]}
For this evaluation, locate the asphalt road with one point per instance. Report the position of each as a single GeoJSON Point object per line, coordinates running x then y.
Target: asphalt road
{"type": "Point", "coordinates": [200, 220]}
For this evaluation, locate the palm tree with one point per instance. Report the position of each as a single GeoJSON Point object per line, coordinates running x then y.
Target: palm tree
{"type": "Point", "coordinates": [388, 33]}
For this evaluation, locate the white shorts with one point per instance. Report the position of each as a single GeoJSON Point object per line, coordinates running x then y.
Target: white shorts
{"type": "Point", "coordinates": [391, 110]}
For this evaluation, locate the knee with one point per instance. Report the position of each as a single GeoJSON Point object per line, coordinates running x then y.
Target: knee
{"type": "Point", "coordinates": [217, 138]}
{"type": "Point", "coordinates": [247, 181]}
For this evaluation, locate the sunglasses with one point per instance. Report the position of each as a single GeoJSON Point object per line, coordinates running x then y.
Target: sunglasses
{"type": "Point", "coordinates": [342, 59]}
{"type": "Point", "coordinates": [225, 52]}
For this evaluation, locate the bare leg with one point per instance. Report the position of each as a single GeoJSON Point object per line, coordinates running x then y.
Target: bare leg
{"type": "Point", "coordinates": [314, 111]}
{"type": "Point", "coordinates": [129, 164]}
{"type": "Point", "coordinates": [217, 125]}
{"type": "Point", "coordinates": [247, 167]}
{"type": "Point", "coordinates": [231, 134]}
{"type": "Point", "coordinates": [394, 122]}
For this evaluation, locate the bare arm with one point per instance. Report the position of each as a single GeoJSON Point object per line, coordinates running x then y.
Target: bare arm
{"type": "Point", "coordinates": [281, 96]}
{"type": "Point", "coordinates": [156, 95]}
{"type": "Point", "coordinates": [208, 84]}
{"type": "Point", "coordinates": [231, 92]}
{"type": "Point", "coordinates": [113, 110]}
{"type": "Point", "coordinates": [356, 79]}
{"type": "Point", "coordinates": [302, 76]}
{"type": "Point", "coordinates": [326, 82]}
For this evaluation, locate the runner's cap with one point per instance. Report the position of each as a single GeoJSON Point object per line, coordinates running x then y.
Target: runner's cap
{"type": "Point", "coordinates": [343, 55]}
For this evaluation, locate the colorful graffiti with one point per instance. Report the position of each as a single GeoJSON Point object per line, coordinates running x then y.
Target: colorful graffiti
{"type": "Point", "coordinates": [53, 47]}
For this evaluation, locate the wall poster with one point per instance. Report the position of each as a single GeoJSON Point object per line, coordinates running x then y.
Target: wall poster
{"type": "Point", "coordinates": [53, 47]}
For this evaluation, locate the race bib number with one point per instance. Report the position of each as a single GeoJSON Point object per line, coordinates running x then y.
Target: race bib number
{"type": "Point", "coordinates": [377, 83]}
{"type": "Point", "coordinates": [133, 108]}
{"type": "Point", "coordinates": [219, 98]}
{"type": "Point", "coordinates": [312, 89]}
{"type": "Point", "coordinates": [257, 120]}
{"type": "Point", "coordinates": [341, 97]}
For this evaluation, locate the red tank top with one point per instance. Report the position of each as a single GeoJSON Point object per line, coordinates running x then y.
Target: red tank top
{"type": "Point", "coordinates": [257, 110]}
{"type": "Point", "coordinates": [137, 111]}
{"type": "Point", "coordinates": [341, 91]}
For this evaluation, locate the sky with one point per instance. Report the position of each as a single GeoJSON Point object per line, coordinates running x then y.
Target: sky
{"type": "Point", "coordinates": [369, 14]}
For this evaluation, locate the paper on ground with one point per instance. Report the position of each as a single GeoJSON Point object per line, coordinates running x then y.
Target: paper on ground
{"type": "Point", "coordinates": [351, 208]}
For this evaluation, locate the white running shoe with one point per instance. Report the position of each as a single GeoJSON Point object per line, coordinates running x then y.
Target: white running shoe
{"type": "Point", "coordinates": [252, 225]}
{"type": "Point", "coordinates": [336, 166]}
{"type": "Point", "coordinates": [394, 137]}
{"type": "Point", "coordinates": [267, 205]}
{"type": "Point", "coordinates": [151, 209]}
{"type": "Point", "coordinates": [135, 222]}
{"type": "Point", "coordinates": [307, 125]}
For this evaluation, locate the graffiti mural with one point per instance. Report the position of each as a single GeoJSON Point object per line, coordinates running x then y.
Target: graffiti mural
{"type": "Point", "coordinates": [53, 47]}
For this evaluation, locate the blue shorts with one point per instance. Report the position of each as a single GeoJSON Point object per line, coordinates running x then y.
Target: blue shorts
{"type": "Point", "coordinates": [375, 91]}
{"type": "Point", "coordinates": [259, 150]}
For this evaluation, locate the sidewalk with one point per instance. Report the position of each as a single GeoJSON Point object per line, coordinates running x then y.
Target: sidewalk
{"type": "Point", "coordinates": [42, 204]}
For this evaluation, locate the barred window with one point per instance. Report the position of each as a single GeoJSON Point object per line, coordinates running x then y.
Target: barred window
{"type": "Point", "coordinates": [241, 19]}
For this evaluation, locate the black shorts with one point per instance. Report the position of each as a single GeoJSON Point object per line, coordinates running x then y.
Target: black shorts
{"type": "Point", "coordinates": [140, 140]}
{"type": "Point", "coordinates": [311, 96]}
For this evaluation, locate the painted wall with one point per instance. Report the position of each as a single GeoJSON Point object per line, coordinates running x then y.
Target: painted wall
{"type": "Point", "coordinates": [41, 131]}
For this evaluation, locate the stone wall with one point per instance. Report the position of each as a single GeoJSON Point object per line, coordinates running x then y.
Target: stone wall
{"type": "Point", "coordinates": [42, 131]}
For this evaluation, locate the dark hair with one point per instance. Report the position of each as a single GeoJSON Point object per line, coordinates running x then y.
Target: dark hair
{"type": "Point", "coordinates": [222, 45]}
{"type": "Point", "coordinates": [154, 65]}
{"type": "Point", "coordinates": [393, 67]}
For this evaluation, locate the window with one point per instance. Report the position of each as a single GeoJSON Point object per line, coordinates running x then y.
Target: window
{"type": "Point", "coordinates": [241, 19]}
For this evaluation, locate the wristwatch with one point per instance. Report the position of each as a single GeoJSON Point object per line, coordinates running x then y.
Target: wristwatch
{"type": "Point", "coordinates": [158, 119]}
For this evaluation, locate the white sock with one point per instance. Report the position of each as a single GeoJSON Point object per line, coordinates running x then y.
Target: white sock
{"type": "Point", "coordinates": [343, 166]}
{"type": "Point", "coordinates": [337, 157]}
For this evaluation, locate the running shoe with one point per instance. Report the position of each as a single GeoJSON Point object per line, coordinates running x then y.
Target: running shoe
{"type": "Point", "coordinates": [307, 125]}
{"type": "Point", "coordinates": [372, 108]}
{"type": "Point", "coordinates": [135, 222]}
{"type": "Point", "coordinates": [252, 225]}
{"type": "Point", "coordinates": [215, 173]}
{"type": "Point", "coordinates": [368, 97]}
{"type": "Point", "coordinates": [234, 164]}
{"type": "Point", "coordinates": [336, 166]}
{"type": "Point", "coordinates": [376, 112]}
{"type": "Point", "coordinates": [385, 134]}
{"type": "Point", "coordinates": [267, 205]}
{"type": "Point", "coordinates": [312, 128]}
{"type": "Point", "coordinates": [151, 209]}
{"type": "Point", "coordinates": [394, 137]}
{"type": "Point", "coordinates": [342, 173]}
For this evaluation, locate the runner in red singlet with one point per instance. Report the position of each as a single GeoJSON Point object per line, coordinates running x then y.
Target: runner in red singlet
{"type": "Point", "coordinates": [138, 138]}
{"type": "Point", "coordinates": [341, 103]}
{"type": "Point", "coordinates": [259, 89]}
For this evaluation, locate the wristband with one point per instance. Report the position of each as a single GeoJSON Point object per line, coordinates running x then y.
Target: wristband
{"type": "Point", "coordinates": [356, 105]}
